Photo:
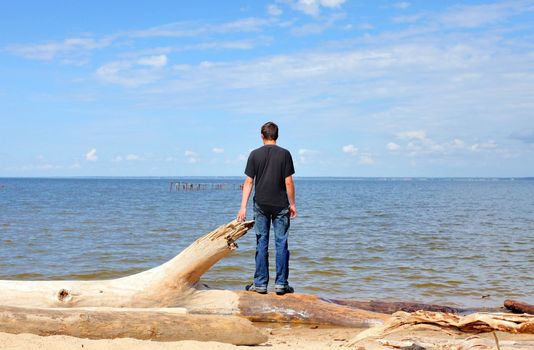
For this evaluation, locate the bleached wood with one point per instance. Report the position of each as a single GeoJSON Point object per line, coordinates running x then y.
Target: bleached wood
{"type": "Point", "coordinates": [473, 323]}
{"type": "Point", "coordinates": [160, 324]}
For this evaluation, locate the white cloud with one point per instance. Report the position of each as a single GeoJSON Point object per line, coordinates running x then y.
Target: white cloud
{"type": "Point", "coordinates": [49, 51]}
{"type": "Point", "coordinates": [218, 150]}
{"type": "Point", "coordinates": [471, 16]}
{"type": "Point", "coordinates": [373, 73]}
{"type": "Point", "coordinates": [192, 157]}
{"type": "Point", "coordinates": [401, 5]}
{"type": "Point", "coordinates": [129, 157]}
{"type": "Point", "coordinates": [77, 50]}
{"type": "Point", "coordinates": [420, 144]}
{"type": "Point", "coordinates": [408, 18]}
{"type": "Point", "coordinates": [366, 159]}
{"type": "Point", "coordinates": [412, 135]}
{"type": "Point", "coordinates": [153, 61]}
{"type": "Point", "coordinates": [91, 155]}
{"type": "Point", "coordinates": [226, 45]}
{"type": "Point", "coordinates": [392, 147]}
{"type": "Point", "coordinates": [490, 145]}
{"type": "Point", "coordinates": [133, 73]}
{"type": "Point", "coordinates": [317, 27]}
{"type": "Point", "coordinates": [305, 152]}
{"type": "Point", "coordinates": [274, 10]}
{"type": "Point", "coordinates": [329, 3]}
{"type": "Point", "coordinates": [313, 7]}
{"type": "Point", "coordinates": [306, 155]}
{"type": "Point", "coordinates": [350, 149]}
{"type": "Point", "coordinates": [457, 143]}
{"type": "Point", "coordinates": [132, 157]}
{"type": "Point", "coordinates": [484, 75]}
{"type": "Point", "coordinates": [47, 167]}
{"type": "Point", "coordinates": [188, 29]}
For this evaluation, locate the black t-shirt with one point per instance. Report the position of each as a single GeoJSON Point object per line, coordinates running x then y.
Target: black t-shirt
{"type": "Point", "coordinates": [269, 165]}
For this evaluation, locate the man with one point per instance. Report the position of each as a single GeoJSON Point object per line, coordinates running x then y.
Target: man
{"type": "Point", "coordinates": [271, 167]}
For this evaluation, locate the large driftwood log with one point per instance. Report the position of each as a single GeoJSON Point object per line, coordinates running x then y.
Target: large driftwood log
{"type": "Point", "coordinates": [176, 284]}
{"type": "Point", "coordinates": [473, 323]}
{"type": "Point", "coordinates": [519, 307]}
{"type": "Point", "coordinates": [434, 341]}
{"type": "Point", "coordinates": [302, 308]}
{"type": "Point", "coordinates": [163, 324]}
{"type": "Point", "coordinates": [390, 307]}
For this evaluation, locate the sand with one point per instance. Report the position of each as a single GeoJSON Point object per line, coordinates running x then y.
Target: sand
{"type": "Point", "coordinates": [280, 337]}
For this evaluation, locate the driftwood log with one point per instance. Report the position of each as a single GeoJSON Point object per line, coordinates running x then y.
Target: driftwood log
{"type": "Point", "coordinates": [304, 308]}
{"type": "Point", "coordinates": [390, 307]}
{"type": "Point", "coordinates": [473, 323]}
{"type": "Point", "coordinates": [472, 342]}
{"type": "Point", "coordinates": [176, 283]}
{"type": "Point", "coordinates": [519, 307]}
{"type": "Point", "coordinates": [161, 324]}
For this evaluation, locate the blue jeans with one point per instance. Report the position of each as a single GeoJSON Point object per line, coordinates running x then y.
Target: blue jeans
{"type": "Point", "coordinates": [279, 217]}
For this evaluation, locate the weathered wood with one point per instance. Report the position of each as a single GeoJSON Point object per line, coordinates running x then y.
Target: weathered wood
{"type": "Point", "coordinates": [473, 323]}
{"type": "Point", "coordinates": [163, 324]}
{"type": "Point", "coordinates": [302, 308]}
{"type": "Point", "coordinates": [439, 343]}
{"type": "Point", "coordinates": [519, 307]}
{"type": "Point", "coordinates": [390, 307]}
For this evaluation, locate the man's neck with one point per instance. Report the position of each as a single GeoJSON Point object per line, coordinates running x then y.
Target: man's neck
{"type": "Point", "coordinates": [269, 142]}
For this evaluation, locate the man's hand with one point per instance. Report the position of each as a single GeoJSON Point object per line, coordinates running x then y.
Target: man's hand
{"type": "Point", "coordinates": [292, 211]}
{"type": "Point", "coordinates": [290, 187]}
{"type": "Point", "coordinates": [247, 188]}
{"type": "Point", "coordinates": [241, 215]}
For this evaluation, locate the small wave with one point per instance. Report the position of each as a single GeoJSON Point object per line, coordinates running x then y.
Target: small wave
{"type": "Point", "coordinates": [328, 272]}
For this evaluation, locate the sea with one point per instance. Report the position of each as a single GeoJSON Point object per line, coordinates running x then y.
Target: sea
{"type": "Point", "coordinates": [464, 242]}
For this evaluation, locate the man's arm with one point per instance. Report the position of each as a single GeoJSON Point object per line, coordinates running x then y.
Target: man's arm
{"type": "Point", "coordinates": [247, 188]}
{"type": "Point", "coordinates": [290, 188]}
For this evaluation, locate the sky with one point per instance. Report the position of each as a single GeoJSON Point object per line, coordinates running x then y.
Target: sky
{"type": "Point", "coordinates": [181, 88]}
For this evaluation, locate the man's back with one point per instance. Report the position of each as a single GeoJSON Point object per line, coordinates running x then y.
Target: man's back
{"type": "Point", "coordinates": [270, 165]}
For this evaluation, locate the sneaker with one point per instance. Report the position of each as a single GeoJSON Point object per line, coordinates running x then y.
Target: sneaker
{"type": "Point", "coordinates": [257, 289]}
{"type": "Point", "coordinates": [281, 290]}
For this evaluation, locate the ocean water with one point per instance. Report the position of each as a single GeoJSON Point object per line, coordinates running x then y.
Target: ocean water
{"type": "Point", "coordinates": [460, 242]}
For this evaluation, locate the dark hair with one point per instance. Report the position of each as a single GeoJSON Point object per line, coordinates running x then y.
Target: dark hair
{"type": "Point", "coordinates": [269, 131]}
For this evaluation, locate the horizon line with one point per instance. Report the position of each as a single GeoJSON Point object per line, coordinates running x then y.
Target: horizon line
{"type": "Point", "coordinates": [242, 176]}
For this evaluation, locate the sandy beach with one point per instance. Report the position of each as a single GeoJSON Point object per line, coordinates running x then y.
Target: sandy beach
{"type": "Point", "coordinates": [281, 337]}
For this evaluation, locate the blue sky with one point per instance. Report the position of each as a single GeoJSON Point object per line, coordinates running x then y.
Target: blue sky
{"type": "Point", "coordinates": [178, 88]}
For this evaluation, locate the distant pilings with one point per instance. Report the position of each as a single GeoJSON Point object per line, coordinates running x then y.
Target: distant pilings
{"type": "Point", "coordinates": [202, 186]}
